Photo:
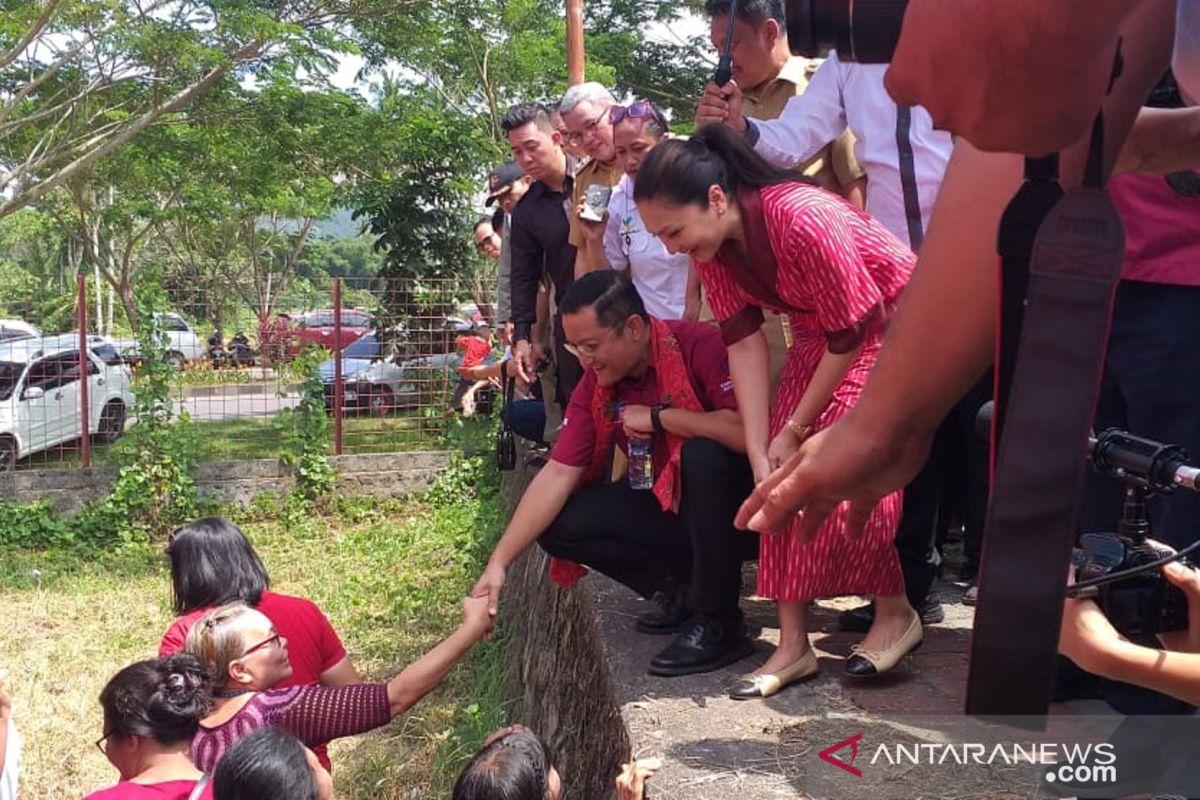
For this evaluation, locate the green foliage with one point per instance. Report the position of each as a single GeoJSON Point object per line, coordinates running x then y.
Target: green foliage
{"type": "Point", "coordinates": [305, 431]}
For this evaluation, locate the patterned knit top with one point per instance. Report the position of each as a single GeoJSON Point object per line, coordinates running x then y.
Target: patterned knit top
{"type": "Point", "coordinates": [313, 714]}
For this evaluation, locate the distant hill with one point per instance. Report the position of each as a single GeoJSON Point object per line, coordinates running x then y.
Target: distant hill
{"type": "Point", "coordinates": [338, 226]}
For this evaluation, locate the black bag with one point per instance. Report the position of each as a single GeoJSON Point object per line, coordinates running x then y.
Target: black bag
{"type": "Point", "coordinates": [506, 441]}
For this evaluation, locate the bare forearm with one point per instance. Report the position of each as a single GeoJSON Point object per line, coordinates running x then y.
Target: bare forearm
{"type": "Point", "coordinates": [749, 367]}
{"type": "Point", "coordinates": [543, 499]}
{"type": "Point", "coordinates": [342, 673]}
{"type": "Point", "coordinates": [420, 677]}
{"type": "Point", "coordinates": [1162, 140]}
{"type": "Point", "coordinates": [593, 257]}
{"type": "Point", "coordinates": [723, 426]}
{"type": "Point", "coordinates": [831, 371]}
{"type": "Point", "coordinates": [1166, 671]}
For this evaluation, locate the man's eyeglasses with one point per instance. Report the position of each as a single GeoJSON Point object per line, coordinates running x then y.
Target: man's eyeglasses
{"type": "Point", "coordinates": [589, 349]}
{"type": "Point", "coordinates": [639, 110]}
{"type": "Point", "coordinates": [100, 743]}
{"type": "Point", "coordinates": [271, 642]}
{"type": "Point", "coordinates": [589, 128]}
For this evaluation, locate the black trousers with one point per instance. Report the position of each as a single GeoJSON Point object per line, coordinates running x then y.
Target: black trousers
{"type": "Point", "coordinates": [625, 534]}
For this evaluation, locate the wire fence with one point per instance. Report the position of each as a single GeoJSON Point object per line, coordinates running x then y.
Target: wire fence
{"type": "Point", "coordinates": [384, 354]}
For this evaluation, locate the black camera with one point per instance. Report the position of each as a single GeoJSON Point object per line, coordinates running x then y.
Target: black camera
{"type": "Point", "coordinates": [1141, 605]}
{"type": "Point", "coordinates": [864, 31]}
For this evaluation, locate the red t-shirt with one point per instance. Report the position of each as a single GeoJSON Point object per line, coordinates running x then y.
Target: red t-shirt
{"type": "Point", "coordinates": [1162, 230]}
{"type": "Point", "coordinates": [313, 644]}
{"type": "Point", "coordinates": [167, 790]}
{"type": "Point", "coordinates": [707, 364]}
{"type": "Point", "coordinates": [477, 350]}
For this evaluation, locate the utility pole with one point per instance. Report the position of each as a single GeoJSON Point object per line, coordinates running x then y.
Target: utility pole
{"type": "Point", "coordinates": [574, 42]}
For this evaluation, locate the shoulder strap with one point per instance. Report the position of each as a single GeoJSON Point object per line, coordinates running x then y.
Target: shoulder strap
{"type": "Point", "coordinates": [198, 789]}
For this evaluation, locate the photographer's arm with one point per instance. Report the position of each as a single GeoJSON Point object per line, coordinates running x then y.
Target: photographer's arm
{"type": "Point", "coordinates": [543, 499]}
{"type": "Point", "coordinates": [1162, 140]}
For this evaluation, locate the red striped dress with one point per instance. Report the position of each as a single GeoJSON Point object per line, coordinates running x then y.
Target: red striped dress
{"type": "Point", "coordinates": [837, 274]}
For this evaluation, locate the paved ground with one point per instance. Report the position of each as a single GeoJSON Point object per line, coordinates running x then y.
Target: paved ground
{"type": "Point", "coordinates": [714, 747]}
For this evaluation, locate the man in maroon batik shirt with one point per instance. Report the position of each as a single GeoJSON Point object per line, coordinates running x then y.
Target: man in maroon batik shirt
{"type": "Point", "coordinates": [666, 381]}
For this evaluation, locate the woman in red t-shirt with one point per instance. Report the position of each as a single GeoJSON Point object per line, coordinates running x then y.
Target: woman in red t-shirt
{"type": "Point", "coordinates": [213, 564]}
{"type": "Point", "coordinates": [152, 710]}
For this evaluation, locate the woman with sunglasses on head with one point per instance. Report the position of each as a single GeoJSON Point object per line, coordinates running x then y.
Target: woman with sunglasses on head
{"type": "Point", "coordinates": [762, 239]}
{"type": "Point", "coordinates": [152, 710]}
{"type": "Point", "coordinates": [668, 287]}
{"type": "Point", "coordinates": [212, 564]}
{"type": "Point", "coordinates": [248, 660]}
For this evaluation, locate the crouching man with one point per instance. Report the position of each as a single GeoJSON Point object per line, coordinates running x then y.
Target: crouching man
{"type": "Point", "coordinates": [666, 382]}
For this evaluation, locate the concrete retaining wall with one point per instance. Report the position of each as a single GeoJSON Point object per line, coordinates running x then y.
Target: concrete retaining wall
{"type": "Point", "coordinates": [378, 475]}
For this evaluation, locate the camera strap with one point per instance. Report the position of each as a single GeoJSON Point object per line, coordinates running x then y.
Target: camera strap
{"type": "Point", "coordinates": [1061, 256]}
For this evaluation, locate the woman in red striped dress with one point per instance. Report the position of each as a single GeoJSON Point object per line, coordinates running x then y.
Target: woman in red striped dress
{"type": "Point", "coordinates": [762, 238]}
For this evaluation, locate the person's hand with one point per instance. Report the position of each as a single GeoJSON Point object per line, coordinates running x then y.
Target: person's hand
{"type": "Point", "coordinates": [851, 460]}
{"type": "Point", "coordinates": [1188, 580]}
{"type": "Point", "coordinates": [523, 356]}
{"type": "Point", "coordinates": [489, 586]}
{"type": "Point", "coordinates": [478, 618]}
{"type": "Point", "coordinates": [782, 447]}
{"type": "Point", "coordinates": [499, 734]}
{"type": "Point", "coordinates": [721, 104]}
{"type": "Point", "coordinates": [592, 231]}
{"type": "Point", "coordinates": [506, 334]}
{"type": "Point", "coordinates": [760, 466]}
{"type": "Point", "coordinates": [636, 421]}
{"type": "Point", "coordinates": [1040, 44]}
{"type": "Point", "coordinates": [631, 783]}
{"type": "Point", "coordinates": [1086, 636]}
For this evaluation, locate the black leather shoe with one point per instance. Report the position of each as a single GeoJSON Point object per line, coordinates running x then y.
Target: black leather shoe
{"type": "Point", "coordinates": [669, 613]}
{"type": "Point", "coordinates": [860, 620]}
{"type": "Point", "coordinates": [707, 644]}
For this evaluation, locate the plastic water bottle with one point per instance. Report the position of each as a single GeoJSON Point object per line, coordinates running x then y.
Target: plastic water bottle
{"type": "Point", "coordinates": [641, 466]}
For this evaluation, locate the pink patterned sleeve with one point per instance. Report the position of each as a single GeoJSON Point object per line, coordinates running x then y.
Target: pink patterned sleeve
{"type": "Point", "coordinates": [737, 317]}
{"type": "Point", "coordinates": [832, 273]}
{"type": "Point", "coordinates": [321, 714]}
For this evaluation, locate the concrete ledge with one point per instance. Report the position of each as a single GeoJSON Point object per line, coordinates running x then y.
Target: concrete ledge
{"type": "Point", "coordinates": [378, 475]}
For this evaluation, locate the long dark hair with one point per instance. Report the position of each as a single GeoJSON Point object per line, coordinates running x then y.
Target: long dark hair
{"type": "Point", "coordinates": [212, 563]}
{"type": "Point", "coordinates": [514, 767]}
{"type": "Point", "coordinates": [267, 763]}
{"type": "Point", "coordinates": [681, 171]}
{"type": "Point", "coordinates": [159, 699]}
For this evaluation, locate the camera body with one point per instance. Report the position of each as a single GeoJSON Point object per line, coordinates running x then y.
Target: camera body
{"type": "Point", "coordinates": [1140, 606]}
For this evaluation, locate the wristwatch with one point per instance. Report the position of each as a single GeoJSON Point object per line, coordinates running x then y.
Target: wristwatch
{"type": "Point", "coordinates": [656, 420]}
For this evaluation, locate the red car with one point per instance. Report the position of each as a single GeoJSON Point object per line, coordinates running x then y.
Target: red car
{"type": "Point", "coordinates": [288, 334]}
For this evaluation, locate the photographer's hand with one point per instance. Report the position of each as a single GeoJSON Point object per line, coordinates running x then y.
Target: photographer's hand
{"type": "Point", "coordinates": [1188, 580]}
{"type": "Point", "coordinates": [523, 361]}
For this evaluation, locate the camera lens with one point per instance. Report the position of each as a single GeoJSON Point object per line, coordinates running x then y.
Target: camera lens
{"type": "Point", "coordinates": [864, 31]}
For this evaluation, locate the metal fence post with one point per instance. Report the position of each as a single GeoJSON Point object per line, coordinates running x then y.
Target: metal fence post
{"type": "Point", "coordinates": [338, 389]}
{"type": "Point", "coordinates": [85, 440]}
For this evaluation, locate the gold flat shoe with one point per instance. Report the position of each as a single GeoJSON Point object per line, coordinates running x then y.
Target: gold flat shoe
{"type": "Point", "coordinates": [864, 663]}
{"type": "Point", "coordinates": [753, 687]}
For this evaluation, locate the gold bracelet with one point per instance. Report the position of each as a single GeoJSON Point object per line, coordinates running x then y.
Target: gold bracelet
{"type": "Point", "coordinates": [800, 431]}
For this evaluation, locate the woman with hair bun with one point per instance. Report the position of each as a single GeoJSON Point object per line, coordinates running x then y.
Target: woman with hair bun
{"type": "Point", "coordinates": [152, 709]}
{"type": "Point", "coordinates": [763, 238]}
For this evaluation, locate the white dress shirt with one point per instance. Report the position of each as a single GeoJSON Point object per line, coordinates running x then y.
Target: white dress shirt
{"type": "Point", "coordinates": [904, 157]}
{"type": "Point", "coordinates": [660, 278]}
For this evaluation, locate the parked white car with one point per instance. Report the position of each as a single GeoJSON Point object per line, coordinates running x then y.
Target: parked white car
{"type": "Point", "coordinates": [40, 396]}
{"type": "Point", "coordinates": [17, 329]}
{"type": "Point", "coordinates": [183, 345]}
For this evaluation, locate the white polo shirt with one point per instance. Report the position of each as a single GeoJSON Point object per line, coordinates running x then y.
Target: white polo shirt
{"type": "Point", "coordinates": [904, 157]}
{"type": "Point", "coordinates": [660, 278]}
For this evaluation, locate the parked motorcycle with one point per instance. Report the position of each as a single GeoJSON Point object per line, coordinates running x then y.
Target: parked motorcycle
{"type": "Point", "coordinates": [241, 354]}
{"type": "Point", "coordinates": [218, 356]}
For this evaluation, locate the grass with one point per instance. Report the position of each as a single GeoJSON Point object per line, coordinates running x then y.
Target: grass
{"type": "Point", "coordinates": [389, 576]}
{"type": "Point", "coordinates": [258, 437]}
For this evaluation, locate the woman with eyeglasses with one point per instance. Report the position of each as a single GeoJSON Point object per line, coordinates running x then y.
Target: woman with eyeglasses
{"type": "Point", "coordinates": [667, 286]}
{"type": "Point", "coordinates": [248, 660]}
{"type": "Point", "coordinates": [212, 564]}
{"type": "Point", "coordinates": [762, 238]}
{"type": "Point", "coordinates": [152, 710]}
